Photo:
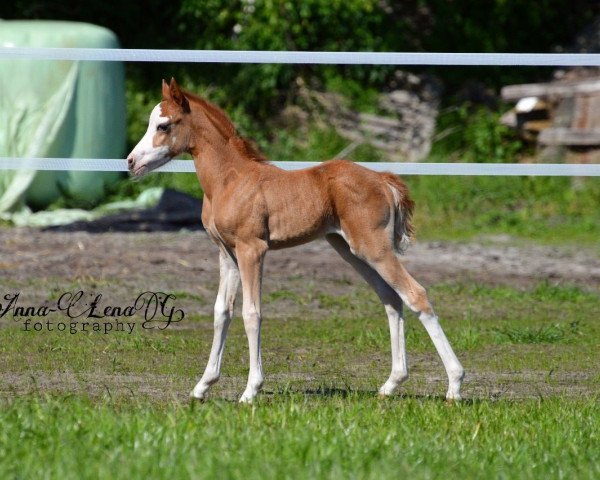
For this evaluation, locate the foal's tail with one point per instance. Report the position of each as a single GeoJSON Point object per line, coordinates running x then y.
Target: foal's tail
{"type": "Point", "coordinates": [403, 208]}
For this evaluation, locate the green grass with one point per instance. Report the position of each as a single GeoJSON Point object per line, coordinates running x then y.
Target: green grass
{"type": "Point", "coordinates": [542, 209]}
{"type": "Point", "coordinates": [346, 326]}
{"type": "Point", "coordinates": [295, 436]}
{"type": "Point", "coordinates": [131, 188]}
{"type": "Point", "coordinates": [545, 334]}
{"type": "Point", "coordinates": [319, 416]}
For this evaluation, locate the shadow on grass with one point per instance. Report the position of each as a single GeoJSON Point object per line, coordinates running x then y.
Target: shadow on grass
{"type": "Point", "coordinates": [336, 392]}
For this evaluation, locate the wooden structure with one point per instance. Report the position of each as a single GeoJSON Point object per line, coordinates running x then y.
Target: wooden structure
{"type": "Point", "coordinates": [562, 117]}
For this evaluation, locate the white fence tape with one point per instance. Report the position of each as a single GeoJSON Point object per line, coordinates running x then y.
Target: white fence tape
{"type": "Point", "coordinates": [302, 57]}
{"type": "Point", "coordinates": [346, 58]}
{"type": "Point", "coordinates": [474, 169]}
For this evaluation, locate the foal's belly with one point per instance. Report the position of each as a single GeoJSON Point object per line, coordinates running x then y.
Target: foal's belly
{"type": "Point", "coordinates": [292, 231]}
{"type": "Point", "coordinates": [287, 242]}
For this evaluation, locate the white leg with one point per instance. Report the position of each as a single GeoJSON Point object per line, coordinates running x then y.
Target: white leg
{"type": "Point", "coordinates": [250, 260]}
{"type": "Point", "coordinates": [415, 297]}
{"type": "Point", "coordinates": [452, 365]}
{"type": "Point", "coordinates": [228, 285]}
{"type": "Point", "coordinates": [399, 368]}
{"type": "Point", "coordinates": [393, 308]}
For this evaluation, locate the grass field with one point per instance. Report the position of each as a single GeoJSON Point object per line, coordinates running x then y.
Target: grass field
{"type": "Point", "coordinates": [295, 436]}
{"type": "Point", "coordinates": [113, 406]}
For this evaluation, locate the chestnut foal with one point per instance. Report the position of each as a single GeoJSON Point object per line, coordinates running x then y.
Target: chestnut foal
{"type": "Point", "coordinates": [251, 206]}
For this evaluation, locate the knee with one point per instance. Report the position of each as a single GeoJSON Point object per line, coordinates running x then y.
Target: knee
{"type": "Point", "coordinates": [252, 318]}
{"type": "Point", "coordinates": [222, 311]}
{"type": "Point", "coordinates": [222, 316]}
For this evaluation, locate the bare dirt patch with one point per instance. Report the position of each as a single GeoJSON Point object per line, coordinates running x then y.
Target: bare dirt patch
{"type": "Point", "coordinates": [179, 260]}
{"type": "Point", "coordinates": [164, 388]}
{"type": "Point", "coordinates": [120, 265]}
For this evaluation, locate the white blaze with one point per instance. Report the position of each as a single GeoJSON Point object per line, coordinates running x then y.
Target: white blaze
{"type": "Point", "coordinates": [146, 156]}
{"type": "Point", "coordinates": [145, 144]}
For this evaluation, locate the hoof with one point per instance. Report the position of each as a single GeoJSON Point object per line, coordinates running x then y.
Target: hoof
{"type": "Point", "coordinates": [194, 401]}
{"type": "Point", "coordinates": [248, 396]}
{"type": "Point", "coordinates": [195, 398]}
{"type": "Point", "coordinates": [385, 392]}
{"type": "Point", "coordinates": [452, 399]}
{"type": "Point", "coordinates": [388, 388]}
{"type": "Point", "coordinates": [246, 400]}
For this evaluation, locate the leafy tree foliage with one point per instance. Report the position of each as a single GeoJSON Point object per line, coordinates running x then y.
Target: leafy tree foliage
{"type": "Point", "coordinates": [367, 25]}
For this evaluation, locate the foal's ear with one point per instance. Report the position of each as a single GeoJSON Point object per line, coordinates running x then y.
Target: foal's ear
{"type": "Point", "coordinates": [177, 96]}
{"type": "Point", "coordinates": [166, 92]}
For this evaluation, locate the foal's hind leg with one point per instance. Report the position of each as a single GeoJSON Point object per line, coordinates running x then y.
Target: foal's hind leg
{"type": "Point", "coordinates": [393, 308]}
{"type": "Point", "coordinates": [377, 251]}
{"type": "Point", "coordinates": [415, 297]}
{"type": "Point", "coordinates": [228, 285]}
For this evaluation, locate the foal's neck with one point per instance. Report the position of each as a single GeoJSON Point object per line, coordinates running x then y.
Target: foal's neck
{"type": "Point", "coordinates": [218, 161]}
{"type": "Point", "coordinates": [220, 155]}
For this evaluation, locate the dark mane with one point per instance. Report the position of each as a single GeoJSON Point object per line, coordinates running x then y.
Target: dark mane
{"type": "Point", "coordinates": [226, 127]}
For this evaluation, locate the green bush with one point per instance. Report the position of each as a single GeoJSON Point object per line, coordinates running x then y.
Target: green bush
{"type": "Point", "coordinates": [352, 25]}
{"type": "Point", "coordinates": [474, 134]}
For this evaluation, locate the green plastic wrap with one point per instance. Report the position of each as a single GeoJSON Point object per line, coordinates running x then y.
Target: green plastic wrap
{"type": "Point", "coordinates": [59, 109]}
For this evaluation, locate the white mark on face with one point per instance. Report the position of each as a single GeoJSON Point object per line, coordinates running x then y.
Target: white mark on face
{"type": "Point", "coordinates": [145, 155]}
{"type": "Point", "coordinates": [156, 119]}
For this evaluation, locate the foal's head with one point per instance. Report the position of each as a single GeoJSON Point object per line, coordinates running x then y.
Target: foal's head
{"type": "Point", "coordinates": [169, 132]}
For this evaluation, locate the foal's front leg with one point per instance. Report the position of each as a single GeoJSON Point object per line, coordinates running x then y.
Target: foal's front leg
{"type": "Point", "coordinates": [250, 260]}
{"type": "Point", "coordinates": [228, 285]}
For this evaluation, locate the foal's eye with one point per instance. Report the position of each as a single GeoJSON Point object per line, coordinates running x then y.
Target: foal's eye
{"type": "Point", "coordinates": [164, 127]}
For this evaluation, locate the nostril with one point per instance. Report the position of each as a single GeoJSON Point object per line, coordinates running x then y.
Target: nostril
{"type": "Point", "coordinates": [130, 162]}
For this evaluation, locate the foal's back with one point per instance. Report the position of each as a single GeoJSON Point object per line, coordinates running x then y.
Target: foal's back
{"type": "Point", "coordinates": [334, 196]}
